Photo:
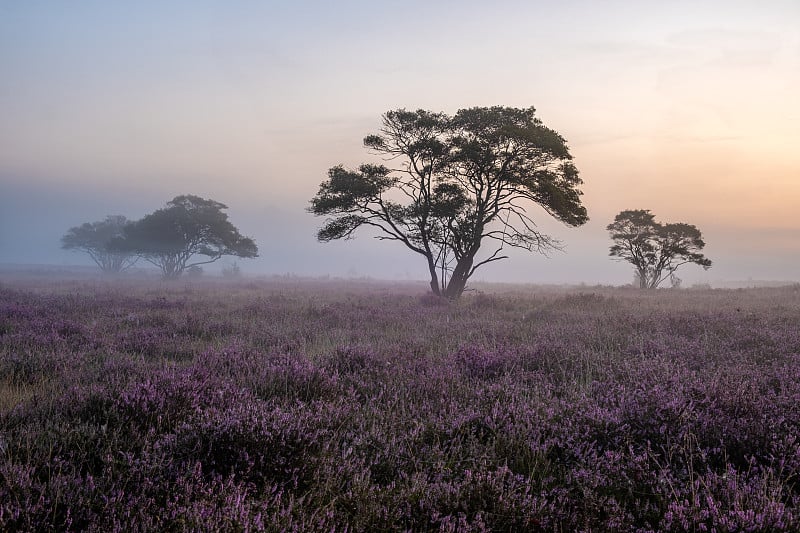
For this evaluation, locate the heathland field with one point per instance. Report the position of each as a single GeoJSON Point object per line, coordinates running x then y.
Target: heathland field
{"type": "Point", "coordinates": [280, 405]}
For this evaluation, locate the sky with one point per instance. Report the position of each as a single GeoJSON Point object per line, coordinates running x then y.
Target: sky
{"type": "Point", "coordinates": [687, 108]}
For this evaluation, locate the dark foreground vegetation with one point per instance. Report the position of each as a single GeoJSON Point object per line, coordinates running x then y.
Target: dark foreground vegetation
{"type": "Point", "coordinates": [271, 406]}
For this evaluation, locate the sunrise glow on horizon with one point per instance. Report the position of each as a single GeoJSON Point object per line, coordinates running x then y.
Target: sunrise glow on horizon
{"type": "Point", "coordinates": [688, 109]}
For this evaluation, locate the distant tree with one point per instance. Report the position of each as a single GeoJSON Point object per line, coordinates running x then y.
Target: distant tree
{"type": "Point", "coordinates": [194, 271]}
{"type": "Point", "coordinates": [101, 241]}
{"type": "Point", "coordinates": [189, 231]}
{"type": "Point", "coordinates": [656, 250]}
{"type": "Point", "coordinates": [232, 272]}
{"type": "Point", "coordinates": [462, 181]}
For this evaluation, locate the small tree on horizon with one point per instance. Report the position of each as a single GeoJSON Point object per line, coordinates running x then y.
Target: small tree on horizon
{"type": "Point", "coordinates": [101, 241]}
{"type": "Point", "coordinates": [655, 250]}
{"type": "Point", "coordinates": [461, 183]}
{"type": "Point", "coordinates": [188, 232]}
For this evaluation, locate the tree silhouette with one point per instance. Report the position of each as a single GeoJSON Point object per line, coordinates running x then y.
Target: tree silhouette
{"type": "Point", "coordinates": [461, 181]}
{"type": "Point", "coordinates": [656, 250]}
{"type": "Point", "coordinates": [101, 241]}
{"type": "Point", "coordinates": [189, 231]}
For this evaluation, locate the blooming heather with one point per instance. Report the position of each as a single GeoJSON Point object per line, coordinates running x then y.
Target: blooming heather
{"type": "Point", "coordinates": [277, 406]}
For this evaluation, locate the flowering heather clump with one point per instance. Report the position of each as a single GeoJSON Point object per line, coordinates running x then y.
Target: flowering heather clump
{"type": "Point", "coordinates": [286, 407]}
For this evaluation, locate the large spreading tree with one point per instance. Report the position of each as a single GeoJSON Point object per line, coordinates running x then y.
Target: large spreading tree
{"type": "Point", "coordinates": [101, 241]}
{"type": "Point", "coordinates": [655, 250]}
{"type": "Point", "coordinates": [459, 189]}
{"type": "Point", "coordinates": [189, 231]}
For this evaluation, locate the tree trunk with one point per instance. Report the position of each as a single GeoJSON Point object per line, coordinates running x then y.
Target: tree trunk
{"type": "Point", "coordinates": [654, 280]}
{"type": "Point", "coordinates": [644, 283]}
{"type": "Point", "coordinates": [458, 281]}
{"type": "Point", "coordinates": [434, 276]}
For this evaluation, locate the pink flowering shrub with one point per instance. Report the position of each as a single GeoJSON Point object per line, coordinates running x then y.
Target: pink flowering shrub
{"type": "Point", "coordinates": [259, 407]}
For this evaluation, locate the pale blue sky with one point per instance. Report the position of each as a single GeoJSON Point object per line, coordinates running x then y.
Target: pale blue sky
{"type": "Point", "coordinates": [688, 108]}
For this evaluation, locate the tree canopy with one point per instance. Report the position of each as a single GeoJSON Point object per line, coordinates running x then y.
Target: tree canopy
{"type": "Point", "coordinates": [189, 231]}
{"type": "Point", "coordinates": [459, 183]}
{"type": "Point", "coordinates": [102, 242]}
{"type": "Point", "coordinates": [656, 250]}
